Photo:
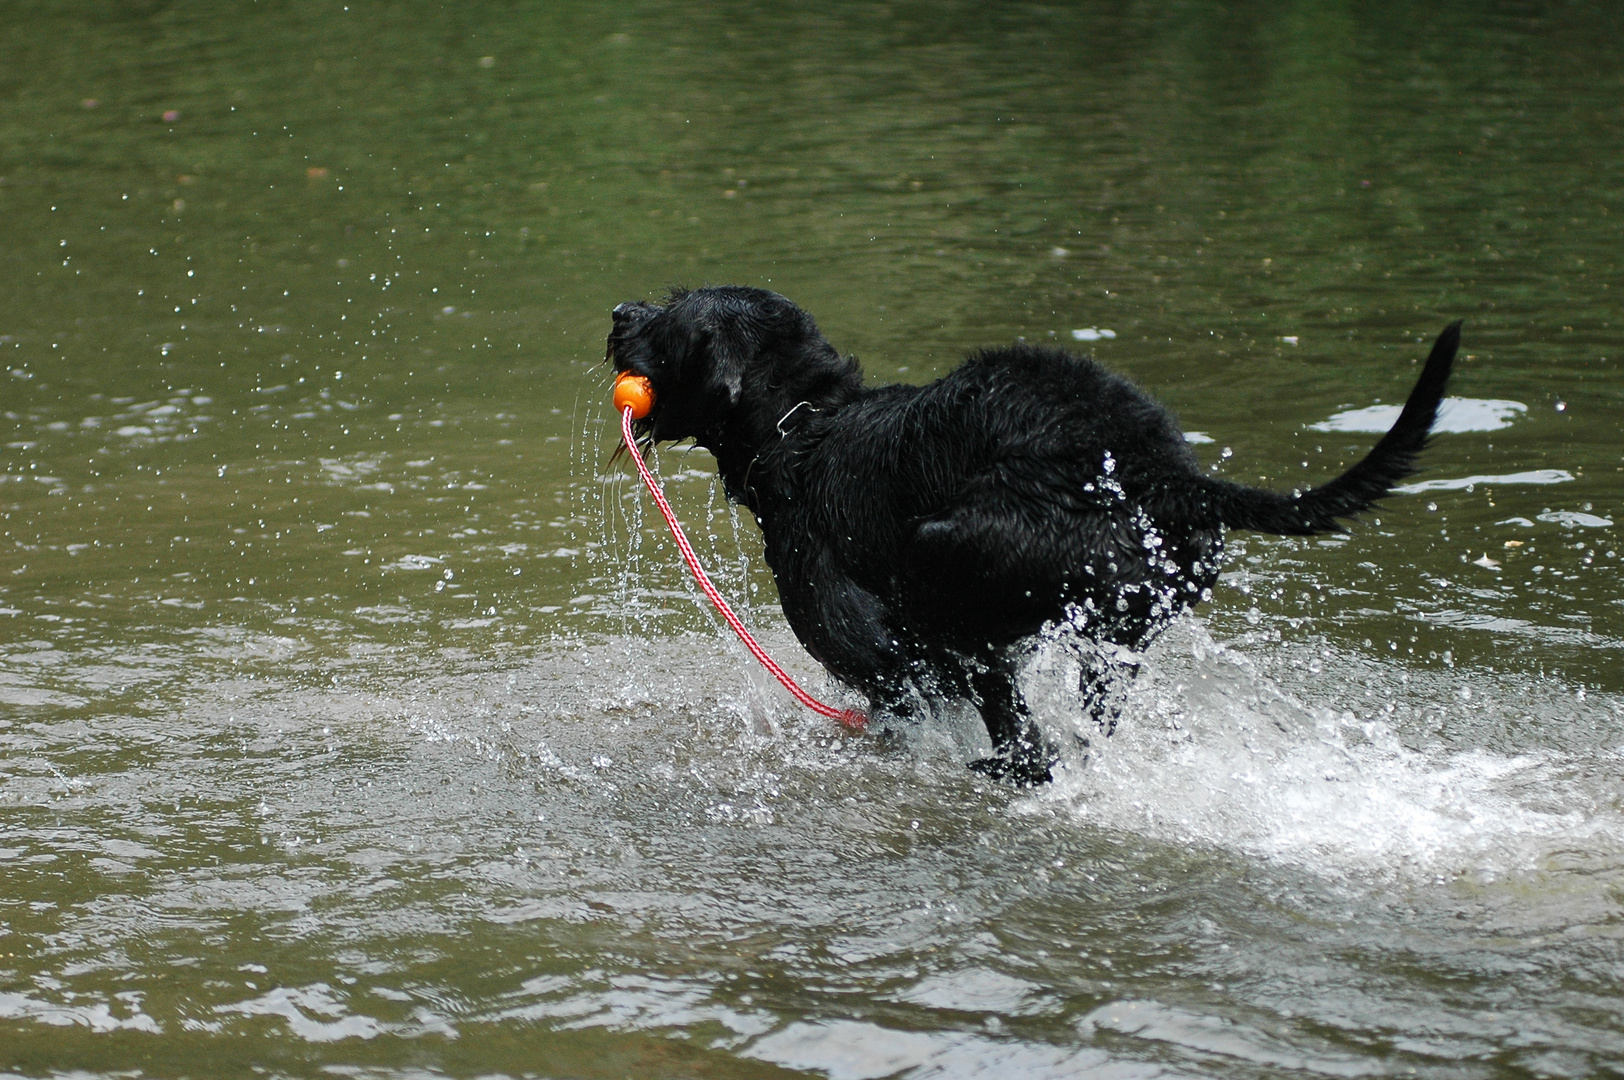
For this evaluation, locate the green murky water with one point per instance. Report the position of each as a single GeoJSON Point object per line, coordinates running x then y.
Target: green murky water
{"type": "Point", "coordinates": [355, 719]}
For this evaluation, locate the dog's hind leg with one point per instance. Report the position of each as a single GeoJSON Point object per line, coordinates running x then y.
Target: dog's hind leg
{"type": "Point", "coordinates": [1020, 752]}
{"type": "Point", "coordinates": [1106, 672]}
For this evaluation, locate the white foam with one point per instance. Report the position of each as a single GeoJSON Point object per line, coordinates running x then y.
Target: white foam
{"type": "Point", "coordinates": [1466, 483]}
{"type": "Point", "coordinates": [1455, 415]}
{"type": "Point", "coordinates": [1573, 518]}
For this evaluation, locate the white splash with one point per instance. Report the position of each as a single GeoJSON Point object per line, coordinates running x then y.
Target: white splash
{"type": "Point", "coordinates": [1208, 751]}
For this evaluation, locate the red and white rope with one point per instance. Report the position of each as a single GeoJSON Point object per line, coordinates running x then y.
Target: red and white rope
{"type": "Point", "coordinates": [850, 718]}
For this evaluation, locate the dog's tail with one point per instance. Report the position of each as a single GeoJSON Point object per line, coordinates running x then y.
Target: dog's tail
{"type": "Point", "coordinates": [1316, 510]}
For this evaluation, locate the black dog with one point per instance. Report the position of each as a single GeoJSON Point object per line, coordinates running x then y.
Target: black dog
{"type": "Point", "coordinates": [918, 533]}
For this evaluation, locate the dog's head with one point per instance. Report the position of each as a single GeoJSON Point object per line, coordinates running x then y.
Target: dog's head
{"type": "Point", "coordinates": [699, 351]}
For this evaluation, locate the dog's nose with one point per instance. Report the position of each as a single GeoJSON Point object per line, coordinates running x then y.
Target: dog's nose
{"type": "Point", "coordinates": [633, 312]}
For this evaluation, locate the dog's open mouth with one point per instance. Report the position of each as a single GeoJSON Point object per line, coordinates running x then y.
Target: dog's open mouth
{"type": "Point", "coordinates": [643, 431]}
{"type": "Point", "coordinates": [631, 388]}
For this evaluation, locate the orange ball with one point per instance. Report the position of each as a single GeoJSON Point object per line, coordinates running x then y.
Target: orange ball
{"type": "Point", "coordinates": [634, 392]}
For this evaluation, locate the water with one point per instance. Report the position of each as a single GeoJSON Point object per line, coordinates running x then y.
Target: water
{"type": "Point", "coordinates": [356, 718]}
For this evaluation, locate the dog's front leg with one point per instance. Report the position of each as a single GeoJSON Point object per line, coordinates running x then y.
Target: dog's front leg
{"type": "Point", "coordinates": [1020, 752]}
{"type": "Point", "coordinates": [845, 627]}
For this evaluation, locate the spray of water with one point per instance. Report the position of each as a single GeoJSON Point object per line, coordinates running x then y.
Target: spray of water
{"type": "Point", "coordinates": [1208, 750]}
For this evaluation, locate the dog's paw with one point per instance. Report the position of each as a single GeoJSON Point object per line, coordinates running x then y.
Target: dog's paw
{"type": "Point", "coordinates": [1019, 770]}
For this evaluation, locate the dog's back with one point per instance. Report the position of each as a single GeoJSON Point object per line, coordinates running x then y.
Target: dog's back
{"type": "Point", "coordinates": [982, 505]}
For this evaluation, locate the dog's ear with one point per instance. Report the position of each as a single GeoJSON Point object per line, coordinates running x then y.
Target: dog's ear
{"type": "Point", "coordinates": [727, 361]}
{"type": "Point", "coordinates": [722, 345]}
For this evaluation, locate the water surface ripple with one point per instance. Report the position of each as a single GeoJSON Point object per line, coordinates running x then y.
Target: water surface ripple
{"type": "Point", "coordinates": [356, 718]}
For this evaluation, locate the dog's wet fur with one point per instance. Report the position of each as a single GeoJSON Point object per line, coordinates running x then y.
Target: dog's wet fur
{"type": "Point", "coordinates": [921, 535]}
